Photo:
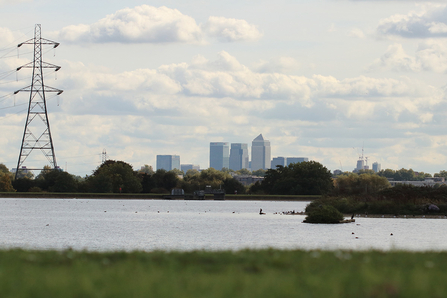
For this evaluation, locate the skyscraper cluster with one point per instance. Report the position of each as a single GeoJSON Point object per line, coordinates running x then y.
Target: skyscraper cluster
{"type": "Point", "coordinates": [234, 156]}
{"type": "Point", "coordinates": [237, 158]}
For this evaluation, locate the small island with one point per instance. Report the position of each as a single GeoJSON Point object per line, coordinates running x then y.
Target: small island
{"type": "Point", "coordinates": [326, 214]}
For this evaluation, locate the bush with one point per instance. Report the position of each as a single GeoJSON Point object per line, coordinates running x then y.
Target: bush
{"type": "Point", "coordinates": [324, 214]}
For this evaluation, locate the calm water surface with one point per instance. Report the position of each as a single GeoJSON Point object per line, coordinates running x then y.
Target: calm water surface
{"type": "Point", "coordinates": [104, 225]}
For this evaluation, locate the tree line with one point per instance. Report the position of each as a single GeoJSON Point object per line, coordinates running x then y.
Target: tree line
{"type": "Point", "coordinates": [305, 178]}
{"type": "Point", "coordinates": [119, 177]}
{"type": "Point", "coordinates": [398, 175]}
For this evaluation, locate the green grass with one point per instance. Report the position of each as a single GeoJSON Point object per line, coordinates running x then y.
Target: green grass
{"type": "Point", "coordinates": [265, 273]}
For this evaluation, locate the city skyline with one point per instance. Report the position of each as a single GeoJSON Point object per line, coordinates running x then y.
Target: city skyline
{"type": "Point", "coordinates": [321, 78]}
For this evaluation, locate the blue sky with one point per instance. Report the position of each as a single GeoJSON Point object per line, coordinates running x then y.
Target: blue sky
{"type": "Point", "coordinates": [319, 79]}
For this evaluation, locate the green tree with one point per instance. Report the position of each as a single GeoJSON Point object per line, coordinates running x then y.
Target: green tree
{"type": "Point", "coordinates": [56, 180]}
{"type": "Point", "coordinates": [227, 170]}
{"type": "Point", "coordinates": [4, 169]}
{"type": "Point", "coordinates": [121, 176]}
{"type": "Point", "coordinates": [23, 184]}
{"type": "Point", "coordinates": [164, 181]}
{"type": "Point", "coordinates": [193, 180]}
{"type": "Point", "coordinates": [421, 176]}
{"type": "Point", "coordinates": [5, 183]}
{"type": "Point", "coordinates": [304, 178]}
{"type": "Point", "coordinates": [243, 172]}
{"type": "Point", "coordinates": [442, 173]}
{"type": "Point", "coordinates": [100, 183]}
{"type": "Point", "coordinates": [147, 169]}
{"type": "Point", "coordinates": [232, 185]}
{"type": "Point", "coordinates": [405, 175]}
{"type": "Point", "coordinates": [256, 188]}
{"type": "Point", "coordinates": [191, 173]}
{"type": "Point", "coordinates": [64, 182]}
{"type": "Point", "coordinates": [324, 214]}
{"type": "Point", "coordinates": [259, 173]}
{"type": "Point", "coordinates": [387, 173]}
{"type": "Point", "coordinates": [360, 184]}
{"type": "Point", "coordinates": [213, 177]}
{"type": "Point", "coordinates": [177, 171]}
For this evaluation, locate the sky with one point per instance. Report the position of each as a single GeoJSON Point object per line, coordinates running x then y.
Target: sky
{"type": "Point", "coordinates": [318, 78]}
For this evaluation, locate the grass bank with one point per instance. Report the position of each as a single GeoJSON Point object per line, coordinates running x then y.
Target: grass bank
{"type": "Point", "coordinates": [148, 196]}
{"type": "Point", "coordinates": [265, 273]}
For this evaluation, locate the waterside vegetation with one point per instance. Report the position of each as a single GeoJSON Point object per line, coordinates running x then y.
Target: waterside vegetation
{"type": "Point", "coordinates": [401, 199]}
{"type": "Point", "coordinates": [247, 273]}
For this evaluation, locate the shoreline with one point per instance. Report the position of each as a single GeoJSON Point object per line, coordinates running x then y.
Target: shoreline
{"type": "Point", "coordinates": [125, 196]}
{"type": "Point", "coordinates": [420, 216]}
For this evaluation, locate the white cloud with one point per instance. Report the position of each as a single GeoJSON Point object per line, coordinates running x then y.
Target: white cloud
{"type": "Point", "coordinates": [226, 77]}
{"type": "Point", "coordinates": [227, 29]}
{"type": "Point", "coordinates": [429, 22]}
{"type": "Point", "coordinates": [431, 55]}
{"type": "Point", "coordinates": [278, 65]}
{"type": "Point", "coordinates": [148, 24]}
{"type": "Point", "coordinates": [6, 37]}
{"type": "Point", "coordinates": [357, 33]}
{"type": "Point", "coordinates": [396, 59]}
{"type": "Point", "coordinates": [136, 25]}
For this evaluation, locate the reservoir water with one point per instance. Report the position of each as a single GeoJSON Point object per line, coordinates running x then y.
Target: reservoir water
{"type": "Point", "coordinates": [110, 225]}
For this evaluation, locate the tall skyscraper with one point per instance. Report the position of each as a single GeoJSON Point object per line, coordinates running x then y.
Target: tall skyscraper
{"type": "Point", "coordinates": [219, 155]}
{"type": "Point", "coordinates": [278, 161]}
{"type": "Point", "coordinates": [377, 167]}
{"type": "Point", "coordinates": [260, 154]}
{"type": "Point", "coordinates": [296, 159]}
{"type": "Point", "coordinates": [238, 156]}
{"type": "Point", "coordinates": [360, 165]}
{"type": "Point", "coordinates": [168, 162]}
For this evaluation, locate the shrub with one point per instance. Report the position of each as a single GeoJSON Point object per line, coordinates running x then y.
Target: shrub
{"type": "Point", "coordinates": [324, 214]}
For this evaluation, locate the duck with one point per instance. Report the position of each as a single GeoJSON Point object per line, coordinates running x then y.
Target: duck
{"type": "Point", "coordinates": [260, 212]}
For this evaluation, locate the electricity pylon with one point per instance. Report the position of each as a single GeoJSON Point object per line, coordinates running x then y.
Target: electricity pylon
{"type": "Point", "coordinates": [37, 135]}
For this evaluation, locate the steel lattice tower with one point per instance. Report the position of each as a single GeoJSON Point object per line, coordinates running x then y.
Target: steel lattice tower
{"type": "Point", "coordinates": [37, 134]}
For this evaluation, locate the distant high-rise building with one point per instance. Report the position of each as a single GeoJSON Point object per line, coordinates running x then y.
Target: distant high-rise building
{"type": "Point", "coordinates": [186, 167]}
{"type": "Point", "coordinates": [260, 154]}
{"type": "Point", "coordinates": [238, 156]}
{"type": "Point", "coordinates": [219, 155]}
{"type": "Point", "coordinates": [168, 162]}
{"type": "Point", "coordinates": [296, 159]}
{"type": "Point", "coordinates": [360, 165]}
{"type": "Point", "coordinates": [377, 167]}
{"type": "Point", "coordinates": [278, 161]}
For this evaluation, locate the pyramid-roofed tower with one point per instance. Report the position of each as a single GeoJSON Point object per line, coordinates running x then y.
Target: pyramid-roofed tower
{"type": "Point", "coordinates": [260, 154]}
{"type": "Point", "coordinates": [259, 138]}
